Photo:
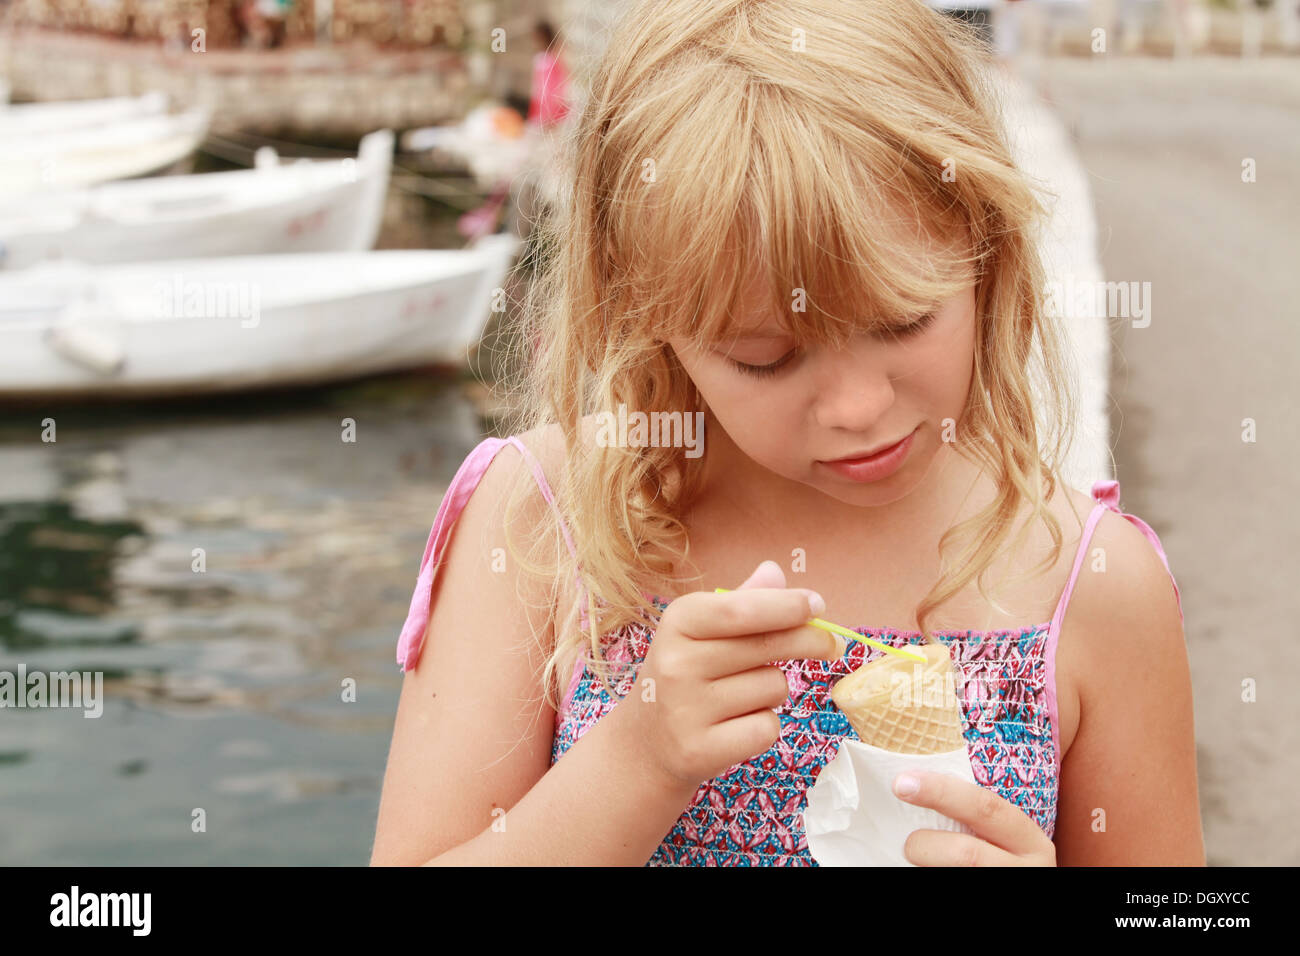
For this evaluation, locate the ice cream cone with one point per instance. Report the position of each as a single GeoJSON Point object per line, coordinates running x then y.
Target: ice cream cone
{"type": "Point", "coordinates": [903, 706]}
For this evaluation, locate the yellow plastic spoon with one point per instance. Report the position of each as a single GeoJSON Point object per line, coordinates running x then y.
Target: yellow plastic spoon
{"type": "Point", "coordinates": [854, 635]}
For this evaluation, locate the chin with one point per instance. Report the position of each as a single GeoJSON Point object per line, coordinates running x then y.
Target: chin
{"type": "Point", "coordinates": [875, 495]}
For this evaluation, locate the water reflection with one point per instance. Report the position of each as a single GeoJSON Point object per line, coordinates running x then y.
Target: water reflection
{"type": "Point", "coordinates": [228, 564]}
{"type": "Point", "coordinates": [56, 576]}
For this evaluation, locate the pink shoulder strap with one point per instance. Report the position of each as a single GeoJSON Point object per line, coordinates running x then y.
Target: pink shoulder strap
{"type": "Point", "coordinates": [1106, 494]}
{"type": "Point", "coordinates": [453, 503]}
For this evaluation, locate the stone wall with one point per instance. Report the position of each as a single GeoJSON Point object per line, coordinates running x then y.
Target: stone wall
{"type": "Point", "coordinates": [231, 23]}
{"type": "Point", "coordinates": [337, 91]}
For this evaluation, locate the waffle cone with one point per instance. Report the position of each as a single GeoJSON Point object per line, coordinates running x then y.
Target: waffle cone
{"type": "Point", "coordinates": [904, 706]}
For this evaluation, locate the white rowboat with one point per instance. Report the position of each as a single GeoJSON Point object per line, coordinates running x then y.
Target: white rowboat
{"type": "Point", "coordinates": [30, 119]}
{"type": "Point", "coordinates": [87, 155]}
{"type": "Point", "coordinates": [201, 325]}
{"type": "Point", "coordinates": [303, 206]}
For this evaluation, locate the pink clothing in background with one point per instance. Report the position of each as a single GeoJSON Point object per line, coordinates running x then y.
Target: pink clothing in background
{"type": "Point", "coordinates": [550, 94]}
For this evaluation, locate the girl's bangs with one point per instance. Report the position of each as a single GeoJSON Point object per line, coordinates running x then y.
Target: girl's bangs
{"type": "Point", "coordinates": [788, 229]}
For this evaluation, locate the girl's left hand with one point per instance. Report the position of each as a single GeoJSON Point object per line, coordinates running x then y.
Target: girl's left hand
{"type": "Point", "coordinates": [1004, 834]}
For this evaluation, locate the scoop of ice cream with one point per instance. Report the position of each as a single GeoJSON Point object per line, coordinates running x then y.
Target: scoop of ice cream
{"type": "Point", "coordinates": [902, 705]}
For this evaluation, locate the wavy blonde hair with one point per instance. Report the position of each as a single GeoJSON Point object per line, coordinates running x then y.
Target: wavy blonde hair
{"type": "Point", "coordinates": [733, 139]}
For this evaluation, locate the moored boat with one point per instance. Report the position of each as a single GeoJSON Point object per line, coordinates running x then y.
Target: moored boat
{"type": "Point", "coordinates": [303, 206]}
{"type": "Point", "coordinates": [87, 155]}
{"type": "Point", "coordinates": [201, 325]}
{"type": "Point", "coordinates": [30, 119]}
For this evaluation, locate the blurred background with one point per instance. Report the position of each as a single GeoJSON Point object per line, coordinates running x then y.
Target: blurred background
{"type": "Point", "coordinates": [258, 265]}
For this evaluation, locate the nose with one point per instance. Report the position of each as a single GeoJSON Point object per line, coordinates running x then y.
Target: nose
{"type": "Point", "coordinates": [854, 392]}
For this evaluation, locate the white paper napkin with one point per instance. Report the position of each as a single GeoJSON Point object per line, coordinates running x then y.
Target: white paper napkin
{"type": "Point", "coordinates": [853, 817]}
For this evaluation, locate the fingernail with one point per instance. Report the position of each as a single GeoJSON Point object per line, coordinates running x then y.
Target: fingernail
{"type": "Point", "coordinates": [815, 602]}
{"type": "Point", "coordinates": [906, 785]}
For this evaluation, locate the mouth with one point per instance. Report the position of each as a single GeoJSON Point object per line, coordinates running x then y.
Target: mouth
{"type": "Point", "coordinates": [874, 465]}
{"type": "Point", "coordinates": [878, 452]}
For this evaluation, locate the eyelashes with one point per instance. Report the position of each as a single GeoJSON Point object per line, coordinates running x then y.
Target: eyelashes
{"type": "Point", "coordinates": [903, 332]}
{"type": "Point", "coordinates": [763, 370]}
{"type": "Point", "coordinates": [920, 325]}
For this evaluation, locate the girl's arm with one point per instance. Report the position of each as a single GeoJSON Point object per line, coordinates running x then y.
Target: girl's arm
{"type": "Point", "coordinates": [1128, 788]}
{"type": "Point", "coordinates": [473, 731]}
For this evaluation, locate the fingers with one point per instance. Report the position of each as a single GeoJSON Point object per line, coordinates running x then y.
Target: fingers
{"type": "Point", "coordinates": [739, 694]}
{"type": "Point", "coordinates": [721, 656]}
{"type": "Point", "coordinates": [750, 734]}
{"type": "Point", "coordinates": [703, 616]}
{"type": "Point", "coordinates": [767, 575]}
{"type": "Point", "coordinates": [941, 848]}
{"type": "Point", "coordinates": [992, 818]}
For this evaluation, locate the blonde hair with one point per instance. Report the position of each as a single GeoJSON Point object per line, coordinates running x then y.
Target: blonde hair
{"type": "Point", "coordinates": [733, 139]}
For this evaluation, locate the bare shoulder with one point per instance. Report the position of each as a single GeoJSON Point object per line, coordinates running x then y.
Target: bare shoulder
{"type": "Point", "coordinates": [1122, 634]}
{"type": "Point", "coordinates": [1134, 752]}
{"type": "Point", "coordinates": [473, 729]}
{"type": "Point", "coordinates": [508, 504]}
{"type": "Point", "coordinates": [1075, 501]}
{"type": "Point", "coordinates": [547, 443]}
{"type": "Point", "coordinates": [1124, 579]}
{"type": "Point", "coordinates": [1123, 599]}
{"type": "Point", "coordinates": [1070, 507]}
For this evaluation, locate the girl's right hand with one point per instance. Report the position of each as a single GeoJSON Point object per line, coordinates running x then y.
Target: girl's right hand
{"type": "Point", "coordinates": [704, 696]}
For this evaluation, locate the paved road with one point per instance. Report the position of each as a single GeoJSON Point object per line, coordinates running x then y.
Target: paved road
{"type": "Point", "coordinates": [1163, 143]}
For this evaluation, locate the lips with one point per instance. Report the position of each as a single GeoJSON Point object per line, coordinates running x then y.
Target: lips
{"type": "Point", "coordinates": [862, 456]}
{"type": "Point", "coordinates": [874, 466]}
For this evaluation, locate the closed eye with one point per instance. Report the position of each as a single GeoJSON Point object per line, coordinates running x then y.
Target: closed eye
{"type": "Point", "coordinates": [914, 328]}
{"type": "Point", "coordinates": [900, 332]}
{"type": "Point", "coordinates": [761, 370]}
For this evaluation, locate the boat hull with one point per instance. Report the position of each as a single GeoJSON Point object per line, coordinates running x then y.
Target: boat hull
{"type": "Point", "coordinates": [326, 206]}
{"type": "Point", "coordinates": [197, 326]}
{"type": "Point", "coordinates": [89, 155]}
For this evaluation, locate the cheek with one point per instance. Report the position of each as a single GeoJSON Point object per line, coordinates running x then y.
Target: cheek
{"type": "Point", "coordinates": [757, 411]}
{"type": "Point", "coordinates": [942, 369]}
{"type": "Point", "coordinates": [963, 361]}
{"type": "Point", "coordinates": [757, 414]}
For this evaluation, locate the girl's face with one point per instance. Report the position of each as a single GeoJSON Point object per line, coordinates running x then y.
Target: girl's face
{"type": "Point", "coordinates": [812, 406]}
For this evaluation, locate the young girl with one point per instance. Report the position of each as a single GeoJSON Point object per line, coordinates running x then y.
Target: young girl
{"type": "Point", "coordinates": [796, 222]}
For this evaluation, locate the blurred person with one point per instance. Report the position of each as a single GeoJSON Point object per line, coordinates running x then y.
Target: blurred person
{"type": "Point", "coordinates": [275, 14]}
{"type": "Point", "coordinates": [548, 106]}
{"type": "Point", "coordinates": [549, 100]}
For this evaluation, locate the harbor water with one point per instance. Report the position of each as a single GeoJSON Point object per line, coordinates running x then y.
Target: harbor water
{"type": "Point", "coordinates": [238, 568]}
